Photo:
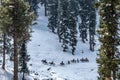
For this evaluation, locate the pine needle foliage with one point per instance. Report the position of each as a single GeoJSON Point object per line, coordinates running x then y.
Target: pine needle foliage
{"type": "Point", "coordinates": [108, 53]}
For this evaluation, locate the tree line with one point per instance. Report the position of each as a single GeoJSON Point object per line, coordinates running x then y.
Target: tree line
{"type": "Point", "coordinates": [63, 20]}
{"type": "Point", "coordinates": [67, 18]}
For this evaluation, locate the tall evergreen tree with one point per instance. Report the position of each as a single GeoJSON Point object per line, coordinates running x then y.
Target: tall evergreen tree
{"type": "Point", "coordinates": [108, 53]}
{"type": "Point", "coordinates": [92, 24]}
{"type": "Point", "coordinates": [3, 65]}
{"type": "Point", "coordinates": [84, 15]}
{"type": "Point", "coordinates": [6, 48]}
{"type": "Point", "coordinates": [87, 14]}
{"type": "Point", "coordinates": [23, 59]}
{"type": "Point", "coordinates": [62, 29]}
{"type": "Point", "coordinates": [53, 15]}
{"type": "Point", "coordinates": [4, 23]}
{"type": "Point", "coordinates": [16, 20]}
{"type": "Point", "coordinates": [72, 24]}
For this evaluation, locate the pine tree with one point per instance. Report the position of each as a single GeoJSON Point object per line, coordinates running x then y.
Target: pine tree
{"type": "Point", "coordinates": [53, 15]}
{"type": "Point", "coordinates": [87, 14]}
{"type": "Point", "coordinates": [72, 25]}
{"type": "Point", "coordinates": [5, 41]}
{"type": "Point", "coordinates": [62, 29]}
{"type": "Point", "coordinates": [4, 23]}
{"type": "Point", "coordinates": [92, 24]}
{"type": "Point", "coordinates": [5, 47]}
{"type": "Point", "coordinates": [15, 19]}
{"type": "Point", "coordinates": [23, 59]}
{"type": "Point", "coordinates": [83, 12]}
{"type": "Point", "coordinates": [108, 53]}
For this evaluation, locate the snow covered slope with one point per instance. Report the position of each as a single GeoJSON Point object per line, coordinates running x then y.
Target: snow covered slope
{"type": "Point", "coordinates": [44, 45]}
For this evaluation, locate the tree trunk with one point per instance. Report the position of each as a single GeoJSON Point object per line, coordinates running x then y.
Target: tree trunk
{"type": "Point", "coordinates": [4, 41]}
{"type": "Point", "coordinates": [73, 50]}
{"type": "Point", "coordinates": [15, 39]}
{"type": "Point", "coordinates": [15, 56]}
{"type": "Point", "coordinates": [114, 75]}
{"type": "Point", "coordinates": [91, 43]}
{"type": "Point", "coordinates": [45, 5]}
{"type": "Point", "coordinates": [82, 34]}
{"type": "Point", "coordinates": [23, 78]}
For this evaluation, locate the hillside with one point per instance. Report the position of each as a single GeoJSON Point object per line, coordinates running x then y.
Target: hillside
{"type": "Point", "coordinates": [45, 45]}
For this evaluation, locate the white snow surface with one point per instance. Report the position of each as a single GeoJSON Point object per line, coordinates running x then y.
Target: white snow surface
{"type": "Point", "coordinates": [45, 45]}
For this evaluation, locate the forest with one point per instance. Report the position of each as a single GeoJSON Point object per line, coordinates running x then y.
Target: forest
{"type": "Point", "coordinates": [40, 39]}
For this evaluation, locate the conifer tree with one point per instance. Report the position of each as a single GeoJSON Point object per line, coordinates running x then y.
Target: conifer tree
{"type": "Point", "coordinates": [53, 15]}
{"type": "Point", "coordinates": [62, 29]}
{"type": "Point", "coordinates": [5, 47]}
{"type": "Point", "coordinates": [23, 59]}
{"type": "Point", "coordinates": [92, 24]}
{"type": "Point", "coordinates": [72, 25]}
{"type": "Point", "coordinates": [84, 11]}
{"type": "Point", "coordinates": [87, 14]}
{"type": "Point", "coordinates": [4, 23]}
{"type": "Point", "coordinates": [108, 53]}
{"type": "Point", "coordinates": [16, 19]}
{"type": "Point", "coordinates": [4, 40]}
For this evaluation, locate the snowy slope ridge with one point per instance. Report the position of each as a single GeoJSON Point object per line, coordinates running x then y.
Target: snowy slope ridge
{"type": "Point", "coordinates": [44, 45]}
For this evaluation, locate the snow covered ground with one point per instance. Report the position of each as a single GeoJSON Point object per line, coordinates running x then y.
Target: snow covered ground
{"type": "Point", "coordinates": [45, 45]}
